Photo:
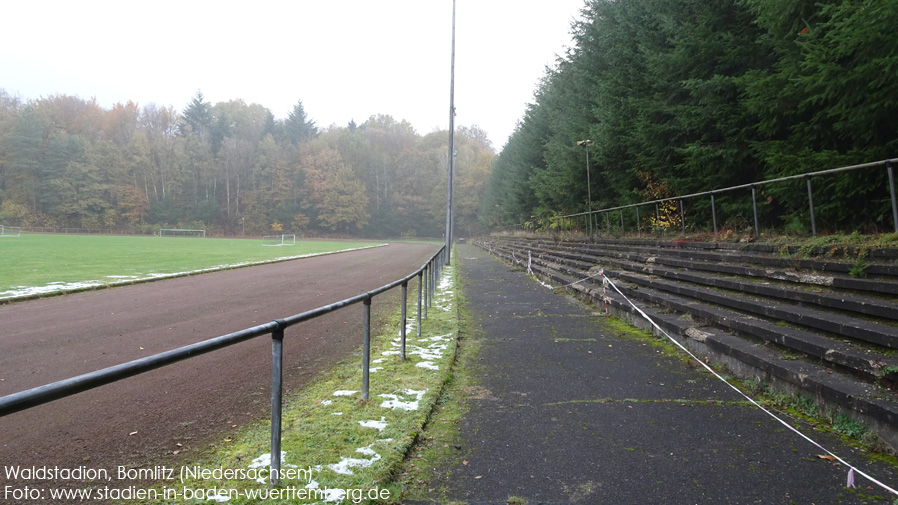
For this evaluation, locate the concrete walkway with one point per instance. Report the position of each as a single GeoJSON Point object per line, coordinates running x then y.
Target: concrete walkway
{"type": "Point", "coordinates": [572, 411]}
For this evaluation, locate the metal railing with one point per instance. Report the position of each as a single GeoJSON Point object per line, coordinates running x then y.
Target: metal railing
{"type": "Point", "coordinates": [428, 276]}
{"type": "Point", "coordinates": [888, 164]}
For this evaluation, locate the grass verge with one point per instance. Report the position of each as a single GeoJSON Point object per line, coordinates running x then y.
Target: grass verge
{"type": "Point", "coordinates": [430, 462]}
{"type": "Point", "coordinates": [337, 447]}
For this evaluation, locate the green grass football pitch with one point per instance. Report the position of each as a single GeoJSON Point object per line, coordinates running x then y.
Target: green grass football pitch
{"type": "Point", "coordinates": [34, 264]}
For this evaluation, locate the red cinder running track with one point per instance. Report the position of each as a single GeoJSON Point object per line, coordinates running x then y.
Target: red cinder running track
{"type": "Point", "coordinates": [141, 420]}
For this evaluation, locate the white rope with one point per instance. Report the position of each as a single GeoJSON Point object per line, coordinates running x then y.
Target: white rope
{"type": "Point", "coordinates": [581, 280]}
{"type": "Point", "coordinates": [852, 470]}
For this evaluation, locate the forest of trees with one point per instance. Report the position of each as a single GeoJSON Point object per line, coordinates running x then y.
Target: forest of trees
{"type": "Point", "coordinates": [677, 96]}
{"type": "Point", "coordinates": [684, 96]}
{"type": "Point", "coordinates": [230, 168]}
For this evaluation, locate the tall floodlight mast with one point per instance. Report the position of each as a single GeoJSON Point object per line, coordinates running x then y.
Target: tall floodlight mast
{"type": "Point", "coordinates": [451, 145]}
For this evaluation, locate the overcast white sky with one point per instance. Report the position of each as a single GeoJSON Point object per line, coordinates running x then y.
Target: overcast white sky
{"type": "Point", "coordinates": [345, 59]}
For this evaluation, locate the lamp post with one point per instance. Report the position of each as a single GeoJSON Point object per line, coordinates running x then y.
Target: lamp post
{"type": "Point", "coordinates": [586, 144]}
{"type": "Point", "coordinates": [449, 217]}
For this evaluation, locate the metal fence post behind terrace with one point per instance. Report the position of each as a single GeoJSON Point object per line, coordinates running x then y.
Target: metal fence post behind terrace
{"type": "Point", "coordinates": [638, 234]}
{"type": "Point", "coordinates": [682, 216]}
{"type": "Point", "coordinates": [754, 206]}
{"type": "Point", "coordinates": [713, 214]}
{"type": "Point", "coordinates": [277, 355]}
{"type": "Point", "coordinates": [892, 189]}
{"type": "Point", "coordinates": [811, 205]}
{"type": "Point", "coordinates": [366, 347]}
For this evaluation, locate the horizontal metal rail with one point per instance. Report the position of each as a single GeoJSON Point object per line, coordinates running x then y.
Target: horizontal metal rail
{"type": "Point", "coordinates": [67, 387]}
{"type": "Point", "coordinates": [888, 164]}
{"type": "Point", "coordinates": [427, 275]}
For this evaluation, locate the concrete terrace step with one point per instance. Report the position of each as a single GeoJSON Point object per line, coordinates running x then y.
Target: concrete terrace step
{"type": "Point", "coordinates": [834, 352]}
{"type": "Point", "coordinates": [837, 352]}
{"type": "Point", "coordinates": [870, 306]}
{"type": "Point", "coordinates": [778, 302]}
{"type": "Point", "coordinates": [883, 261]}
{"type": "Point", "coordinates": [821, 338]}
{"type": "Point", "coordinates": [883, 278]}
{"type": "Point", "coordinates": [869, 331]}
{"type": "Point", "coordinates": [812, 377]}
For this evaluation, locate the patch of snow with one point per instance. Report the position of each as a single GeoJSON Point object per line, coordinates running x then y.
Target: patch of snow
{"type": "Point", "coordinates": [393, 401]}
{"type": "Point", "coordinates": [428, 365]}
{"type": "Point", "coordinates": [346, 464]}
{"type": "Point", "coordinates": [344, 392]}
{"type": "Point", "coordinates": [265, 461]}
{"type": "Point", "coordinates": [379, 425]}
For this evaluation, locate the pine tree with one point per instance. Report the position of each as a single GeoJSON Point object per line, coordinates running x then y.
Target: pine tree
{"type": "Point", "coordinates": [298, 127]}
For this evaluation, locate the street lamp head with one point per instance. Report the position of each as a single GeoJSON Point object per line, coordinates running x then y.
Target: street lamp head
{"type": "Point", "coordinates": [584, 143]}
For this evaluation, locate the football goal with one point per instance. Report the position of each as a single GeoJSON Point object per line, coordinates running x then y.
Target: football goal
{"type": "Point", "coordinates": [10, 231]}
{"type": "Point", "coordinates": [283, 239]}
{"type": "Point", "coordinates": [180, 232]}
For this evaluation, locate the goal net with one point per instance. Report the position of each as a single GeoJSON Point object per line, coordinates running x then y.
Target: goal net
{"type": "Point", "coordinates": [283, 239]}
{"type": "Point", "coordinates": [180, 232]}
{"type": "Point", "coordinates": [10, 231]}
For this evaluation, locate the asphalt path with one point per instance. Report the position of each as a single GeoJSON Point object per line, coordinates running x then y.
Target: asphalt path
{"type": "Point", "coordinates": [570, 409]}
{"type": "Point", "coordinates": [167, 415]}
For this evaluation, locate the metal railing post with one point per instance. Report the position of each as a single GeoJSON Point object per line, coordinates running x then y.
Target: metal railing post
{"type": "Point", "coordinates": [638, 228]}
{"type": "Point", "coordinates": [426, 279]}
{"type": "Point", "coordinates": [754, 206]}
{"type": "Point", "coordinates": [622, 220]}
{"type": "Point", "coordinates": [713, 214]}
{"type": "Point", "coordinates": [366, 347]}
{"type": "Point", "coordinates": [402, 330]}
{"type": "Point", "coordinates": [420, 295]}
{"type": "Point", "coordinates": [433, 283]}
{"type": "Point", "coordinates": [682, 217]}
{"type": "Point", "coordinates": [811, 205]}
{"type": "Point", "coordinates": [892, 189]}
{"type": "Point", "coordinates": [277, 388]}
